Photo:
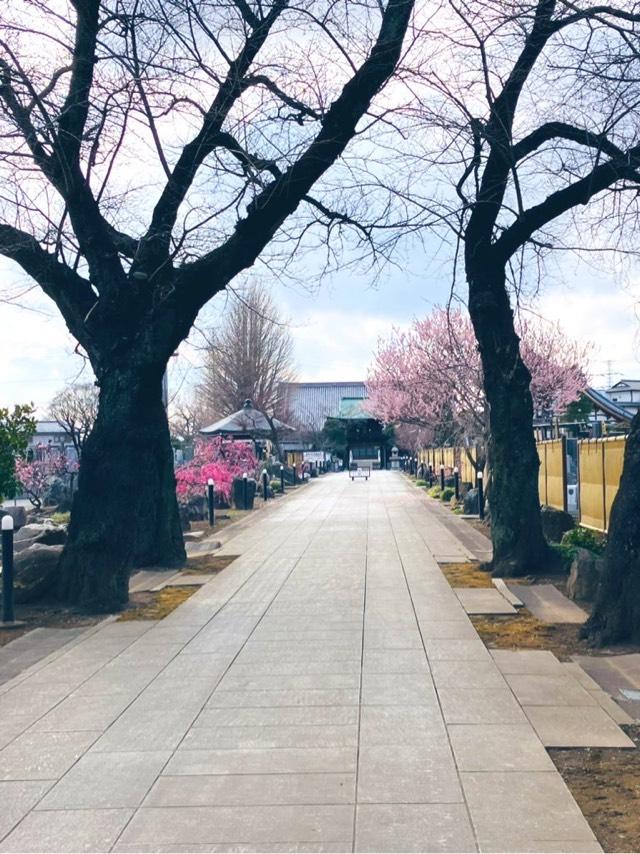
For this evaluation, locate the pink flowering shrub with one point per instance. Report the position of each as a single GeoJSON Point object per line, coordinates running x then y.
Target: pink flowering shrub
{"type": "Point", "coordinates": [36, 476]}
{"type": "Point", "coordinates": [218, 458]}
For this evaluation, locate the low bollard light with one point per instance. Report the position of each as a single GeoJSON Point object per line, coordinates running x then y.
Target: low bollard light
{"type": "Point", "coordinates": [265, 485]}
{"type": "Point", "coordinates": [456, 482]}
{"type": "Point", "coordinates": [245, 491]}
{"type": "Point", "coordinates": [211, 501]}
{"type": "Point", "coordinates": [441, 477]}
{"type": "Point", "coordinates": [282, 479]}
{"type": "Point", "coordinates": [480, 480]}
{"type": "Point", "coordinates": [430, 475]}
{"type": "Point", "coordinates": [7, 570]}
{"type": "Point", "coordinates": [294, 474]}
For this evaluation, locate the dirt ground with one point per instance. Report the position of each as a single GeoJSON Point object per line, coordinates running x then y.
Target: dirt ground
{"type": "Point", "coordinates": [606, 784]}
{"type": "Point", "coordinates": [156, 606]}
{"type": "Point", "coordinates": [207, 564]}
{"type": "Point", "coordinates": [48, 615]}
{"type": "Point", "coordinates": [524, 631]}
{"type": "Point", "coordinates": [465, 575]}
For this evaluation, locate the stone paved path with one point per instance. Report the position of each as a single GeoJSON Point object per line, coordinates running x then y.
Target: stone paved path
{"type": "Point", "coordinates": [326, 692]}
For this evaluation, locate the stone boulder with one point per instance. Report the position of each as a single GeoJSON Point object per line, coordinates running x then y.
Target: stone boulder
{"type": "Point", "coordinates": [18, 514]}
{"type": "Point", "coordinates": [36, 572]}
{"type": "Point", "coordinates": [40, 534]}
{"type": "Point", "coordinates": [470, 502]}
{"type": "Point", "coordinates": [555, 523]}
{"type": "Point", "coordinates": [585, 574]}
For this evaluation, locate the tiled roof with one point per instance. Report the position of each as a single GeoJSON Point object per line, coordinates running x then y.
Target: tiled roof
{"type": "Point", "coordinates": [308, 405]}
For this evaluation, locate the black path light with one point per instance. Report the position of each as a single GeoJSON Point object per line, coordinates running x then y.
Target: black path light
{"type": "Point", "coordinates": [245, 491]}
{"type": "Point", "coordinates": [282, 479]}
{"type": "Point", "coordinates": [211, 501]}
{"type": "Point", "coordinates": [480, 480]}
{"type": "Point", "coordinates": [441, 477]}
{"type": "Point", "coordinates": [8, 616]}
{"type": "Point", "coordinates": [456, 482]}
{"type": "Point", "coordinates": [265, 485]}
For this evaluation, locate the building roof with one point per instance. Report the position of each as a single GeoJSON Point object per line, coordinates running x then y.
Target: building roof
{"type": "Point", "coordinates": [633, 385]}
{"type": "Point", "coordinates": [604, 403]}
{"type": "Point", "coordinates": [310, 404]}
{"type": "Point", "coordinates": [247, 421]}
{"type": "Point", "coordinates": [353, 408]}
{"type": "Point", "coordinates": [49, 427]}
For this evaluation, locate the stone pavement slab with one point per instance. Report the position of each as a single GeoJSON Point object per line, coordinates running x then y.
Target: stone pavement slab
{"type": "Point", "coordinates": [547, 603]}
{"type": "Point", "coordinates": [576, 726]}
{"type": "Point", "coordinates": [481, 600]}
{"type": "Point", "coordinates": [325, 692]}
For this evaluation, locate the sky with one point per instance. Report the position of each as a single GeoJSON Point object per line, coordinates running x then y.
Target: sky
{"type": "Point", "coordinates": [336, 327]}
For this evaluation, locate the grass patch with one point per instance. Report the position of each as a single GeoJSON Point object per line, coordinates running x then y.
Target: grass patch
{"type": "Point", "coordinates": [156, 606]}
{"type": "Point", "coordinates": [606, 784]}
{"type": "Point", "coordinates": [465, 575]}
{"type": "Point", "coordinates": [60, 518]}
{"type": "Point", "coordinates": [524, 631]}
{"type": "Point", "coordinates": [207, 563]}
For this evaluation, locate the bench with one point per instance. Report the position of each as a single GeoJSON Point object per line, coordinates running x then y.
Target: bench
{"type": "Point", "coordinates": [359, 471]}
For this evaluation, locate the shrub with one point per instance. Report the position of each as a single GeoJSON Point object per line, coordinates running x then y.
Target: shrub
{"type": "Point", "coordinates": [61, 518]}
{"type": "Point", "coordinates": [447, 493]}
{"type": "Point", "coordinates": [434, 492]}
{"type": "Point", "coordinates": [583, 538]}
{"type": "Point", "coordinates": [275, 485]}
{"type": "Point", "coordinates": [421, 482]}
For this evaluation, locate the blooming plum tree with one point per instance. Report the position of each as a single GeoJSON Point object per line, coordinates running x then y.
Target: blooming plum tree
{"type": "Point", "coordinates": [219, 459]}
{"type": "Point", "coordinates": [431, 376]}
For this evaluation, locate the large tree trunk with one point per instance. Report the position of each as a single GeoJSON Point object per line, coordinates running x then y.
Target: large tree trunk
{"type": "Point", "coordinates": [125, 512]}
{"type": "Point", "coordinates": [519, 546]}
{"type": "Point", "coordinates": [616, 616]}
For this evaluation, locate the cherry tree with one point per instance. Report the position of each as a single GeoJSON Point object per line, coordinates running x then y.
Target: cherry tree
{"type": "Point", "coordinates": [431, 375]}
{"type": "Point", "coordinates": [151, 152]}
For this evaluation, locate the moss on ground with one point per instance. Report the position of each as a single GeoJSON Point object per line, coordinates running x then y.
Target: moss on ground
{"type": "Point", "coordinates": [466, 575]}
{"type": "Point", "coordinates": [158, 605]}
{"type": "Point", "coordinates": [207, 564]}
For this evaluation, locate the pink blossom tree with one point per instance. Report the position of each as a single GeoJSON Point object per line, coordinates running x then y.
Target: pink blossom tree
{"type": "Point", "coordinates": [35, 476]}
{"type": "Point", "coordinates": [431, 377]}
{"type": "Point", "coordinates": [220, 459]}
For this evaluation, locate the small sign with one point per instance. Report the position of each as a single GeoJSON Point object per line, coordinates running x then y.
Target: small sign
{"type": "Point", "coordinates": [313, 456]}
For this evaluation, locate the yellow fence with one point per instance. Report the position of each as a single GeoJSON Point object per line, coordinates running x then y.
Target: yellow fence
{"type": "Point", "coordinates": [552, 474]}
{"type": "Point", "coordinates": [600, 467]}
{"type": "Point", "coordinates": [450, 458]}
{"type": "Point", "coordinates": [599, 470]}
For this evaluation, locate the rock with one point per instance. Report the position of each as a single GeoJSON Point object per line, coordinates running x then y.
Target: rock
{"type": "Point", "coordinates": [41, 534]}
{"type": "Point", "coordinates": [470, 502]}
{"type": "Point", "coordinates": [584, 576]}
{"type": "Point", "coordinates": [555, 523]}
{"type": "Point", "coordinates": [19, 515]}
{"type": "Point", "coordinates": [36, 572]}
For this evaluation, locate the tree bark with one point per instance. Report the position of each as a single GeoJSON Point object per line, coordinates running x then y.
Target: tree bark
{"type": "Point", "coordinates": [616, 616]}
{"type": "Point", "coordinates": [125, 512]}
{"type": "Point", "coordinates": [519, 547]}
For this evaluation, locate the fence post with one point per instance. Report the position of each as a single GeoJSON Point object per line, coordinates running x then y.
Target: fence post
{"type": "Point", "coordinates": [456, 482]}
{"type": "Point", "coordinates": [441, 477]}
{"type": "Point", "coordinates": [565, 499]}
{"type": "Point", "coordinates": [7, 570]}
{"type": "Point", "coordinates": [211, 501]}
{"type": "Point", "coordinates": [480, 481]}
{"type": "Point", "coordinates": [265, 485]}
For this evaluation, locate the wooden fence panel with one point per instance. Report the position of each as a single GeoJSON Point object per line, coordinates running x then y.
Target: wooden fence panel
{"type": "Point", "coordinates": [591, 484]}
{"type": "Point", "coordinates": [552, 474]}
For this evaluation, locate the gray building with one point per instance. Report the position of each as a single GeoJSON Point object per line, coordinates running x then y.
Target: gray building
{"type": "Point", "coordinates": [308, 405]}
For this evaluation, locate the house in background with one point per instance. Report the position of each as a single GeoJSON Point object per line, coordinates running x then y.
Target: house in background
{"type": "Point", "coordinates": [50, 439]}
{"type": "Point", "coordinates": [626, 393]}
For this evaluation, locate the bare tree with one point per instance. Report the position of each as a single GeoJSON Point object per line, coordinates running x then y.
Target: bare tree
{"type": "Point", "coordinates": [151, 151]}
{"type": "Point", "coordinates": [249, 356]}
{"type": "Point", "coordinates": [189, 414]}
{"type": "Point", "coordinates": [535, 120]}
{"type": "Point", "coordinates": [75, 409]}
